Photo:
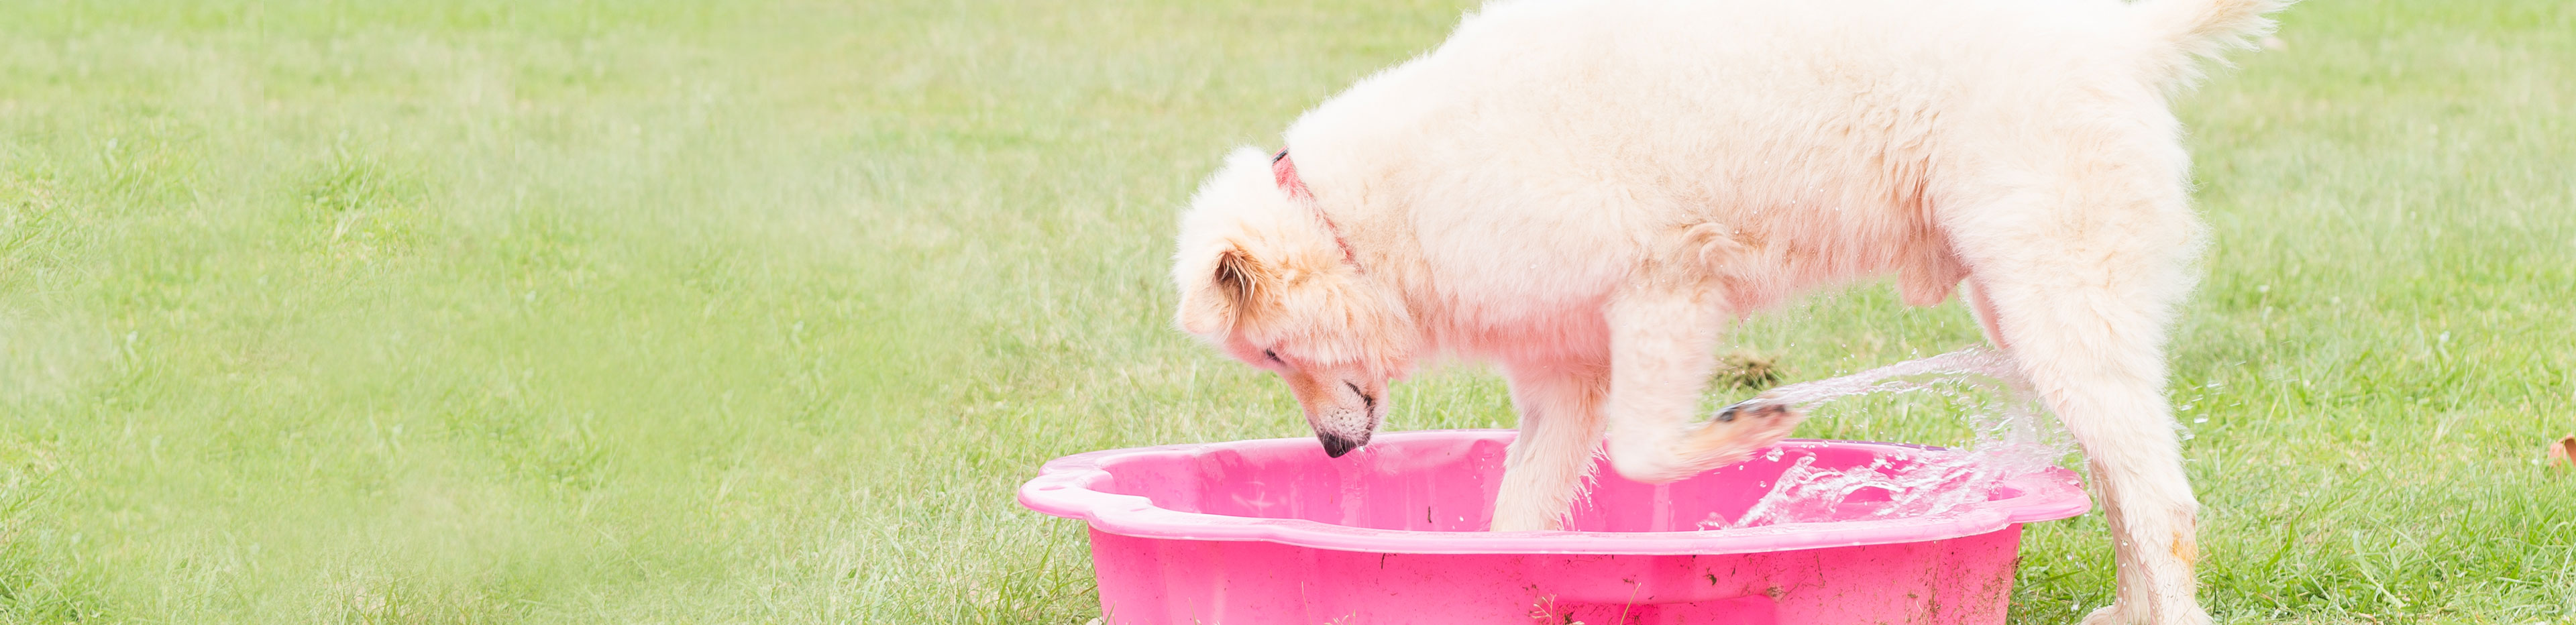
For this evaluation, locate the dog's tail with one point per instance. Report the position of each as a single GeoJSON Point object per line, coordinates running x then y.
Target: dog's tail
{"type": "Point", "coordinates": [2186, 31]}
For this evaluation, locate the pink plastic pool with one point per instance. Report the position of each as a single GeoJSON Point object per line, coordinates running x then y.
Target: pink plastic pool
{"type": "Point", "coordinates": [1272, 531]}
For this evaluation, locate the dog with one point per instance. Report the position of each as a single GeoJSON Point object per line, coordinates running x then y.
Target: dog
{"type": "Point", "coordinates": [1586, 193]}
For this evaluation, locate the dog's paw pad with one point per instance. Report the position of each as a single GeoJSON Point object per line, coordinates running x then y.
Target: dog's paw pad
{"type": "Point", "coordinates": [1754, 409]}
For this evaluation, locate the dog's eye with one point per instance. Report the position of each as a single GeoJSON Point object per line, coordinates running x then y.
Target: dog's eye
{"type": "Point", "coordinates": [1273, 356]}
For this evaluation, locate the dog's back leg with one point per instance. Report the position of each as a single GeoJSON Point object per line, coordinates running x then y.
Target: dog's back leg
{"type": "Point", "coordinates": [1560, 407]}
{"type": "Point", "coordinates": [2077, 277]}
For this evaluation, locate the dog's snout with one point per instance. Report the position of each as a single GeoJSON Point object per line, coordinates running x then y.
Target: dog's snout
{"type": "Point", "coordinates": [1367, 401]}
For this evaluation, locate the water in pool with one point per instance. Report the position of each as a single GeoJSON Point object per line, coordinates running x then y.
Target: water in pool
{"type": "Point", "coordinates": [2014, 438]}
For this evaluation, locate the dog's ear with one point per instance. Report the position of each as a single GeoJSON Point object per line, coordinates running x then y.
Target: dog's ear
{"type": "Point", "coordinates": [1211, 303]}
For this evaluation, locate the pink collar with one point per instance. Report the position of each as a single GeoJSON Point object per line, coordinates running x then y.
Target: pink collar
{"type": "Point", "coordinates": [1284, 172]}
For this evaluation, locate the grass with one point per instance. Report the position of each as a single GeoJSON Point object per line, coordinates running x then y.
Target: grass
{"type": "Point", "coordinates": [583, 311]}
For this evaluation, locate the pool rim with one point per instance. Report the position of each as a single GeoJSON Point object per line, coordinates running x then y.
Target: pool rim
{"type": "Point", "coordinates": [1064, 488]}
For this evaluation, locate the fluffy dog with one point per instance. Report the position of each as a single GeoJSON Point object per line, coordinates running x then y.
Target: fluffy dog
{"type": "Point", "coordinates": [1586, 192]}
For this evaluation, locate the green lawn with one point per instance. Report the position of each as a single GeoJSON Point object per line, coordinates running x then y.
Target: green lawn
{"type": "Point", "coordinates": [653, 311]}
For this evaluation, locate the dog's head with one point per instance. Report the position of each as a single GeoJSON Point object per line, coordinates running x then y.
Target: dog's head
{"type": "Point", "coordinates": [1263, 277]}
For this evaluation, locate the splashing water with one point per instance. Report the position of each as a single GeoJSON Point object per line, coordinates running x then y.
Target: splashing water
{"type": "Point", "coordinates": [2012, 440]}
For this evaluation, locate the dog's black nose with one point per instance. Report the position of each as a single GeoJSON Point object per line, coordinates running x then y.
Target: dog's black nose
{"type": "Point", "coordinates": [1335, 446]}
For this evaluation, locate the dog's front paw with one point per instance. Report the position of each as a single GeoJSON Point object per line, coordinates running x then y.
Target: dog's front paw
{"type": "Point", "coordinates": [2120, 614]}
{"type": "Point", "coordinates": [1756, 410]}
{"type": "Point", "coordinates": [1733, 435]}
{"type": "Point", "coordinates": [1751, 424]}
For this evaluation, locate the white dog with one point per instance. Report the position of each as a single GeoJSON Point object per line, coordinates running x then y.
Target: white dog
{"type": "Point", "coordinates": [1586, 192]}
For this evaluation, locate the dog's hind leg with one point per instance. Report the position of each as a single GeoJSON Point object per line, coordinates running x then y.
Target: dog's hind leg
{"type": "Point", "coordinates": [2079, 281]}
{"type": "Point", "coordinates": [1560, 407]}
